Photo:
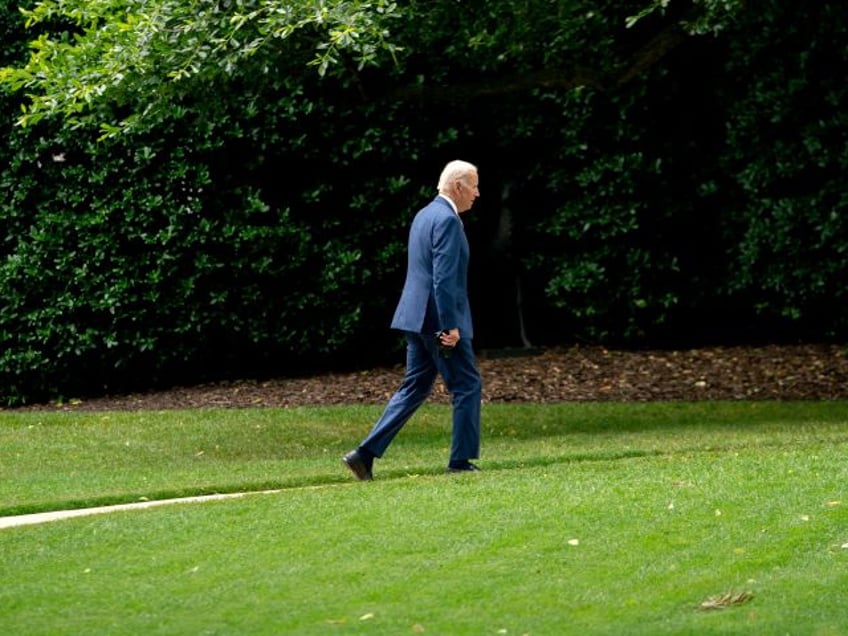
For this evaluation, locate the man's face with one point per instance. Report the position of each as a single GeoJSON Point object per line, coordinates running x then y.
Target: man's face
{"type": "Point", "coordinates": [466, 190]}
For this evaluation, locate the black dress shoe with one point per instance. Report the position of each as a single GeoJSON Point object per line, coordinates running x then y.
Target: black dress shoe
{"type": "Point", "coordinates": [463, 467]}
{"type": "Point", "coordinates": [358, 465]}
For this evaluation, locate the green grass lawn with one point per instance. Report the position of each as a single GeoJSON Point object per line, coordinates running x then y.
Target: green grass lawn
{"type": "Point", "coordinates": [587, 519]}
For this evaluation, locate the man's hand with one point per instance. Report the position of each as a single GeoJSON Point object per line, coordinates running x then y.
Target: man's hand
{"type": "Point", "coordinates": [450, 338]}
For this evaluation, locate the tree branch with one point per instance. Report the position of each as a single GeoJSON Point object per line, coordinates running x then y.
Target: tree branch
{"type": "Point", "coordinates": [637, 64]}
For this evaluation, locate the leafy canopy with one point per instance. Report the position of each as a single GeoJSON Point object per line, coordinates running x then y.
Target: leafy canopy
{"type": "Point", "coordinates": [137, 55]}
{"type": "Point", "coordinates": [117, 62]}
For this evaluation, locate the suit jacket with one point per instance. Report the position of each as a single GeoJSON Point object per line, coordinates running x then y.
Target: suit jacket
{"type": "Point", "coordinates": [435, 294]}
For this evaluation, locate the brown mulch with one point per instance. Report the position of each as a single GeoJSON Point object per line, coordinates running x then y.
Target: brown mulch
{"type": "Point", "coordinates": [579, 373]}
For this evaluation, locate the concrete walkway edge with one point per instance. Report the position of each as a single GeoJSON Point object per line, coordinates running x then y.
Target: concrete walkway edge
{"type": "Point", "coordinates": [44, 517]}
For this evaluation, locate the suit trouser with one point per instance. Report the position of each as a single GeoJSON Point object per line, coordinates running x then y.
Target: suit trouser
{"type": "Point", "coordinates": [462, 380]}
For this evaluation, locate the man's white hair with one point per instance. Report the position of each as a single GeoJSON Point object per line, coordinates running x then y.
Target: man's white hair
{"type": "Point", "coordinates": [455, 169]}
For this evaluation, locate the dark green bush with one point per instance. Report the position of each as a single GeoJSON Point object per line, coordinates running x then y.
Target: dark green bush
{"type": "Point", "coordinates": [786, 157]}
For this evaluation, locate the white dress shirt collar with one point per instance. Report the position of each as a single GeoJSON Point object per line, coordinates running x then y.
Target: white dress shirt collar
{"type": "Point", "coordinates": [449, 200]}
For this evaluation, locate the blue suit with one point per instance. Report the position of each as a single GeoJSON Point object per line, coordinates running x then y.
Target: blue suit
{"type": "Point", "coordinates": [435, 298]}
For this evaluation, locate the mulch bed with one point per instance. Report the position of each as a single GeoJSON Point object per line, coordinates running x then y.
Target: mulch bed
{"type": "Point", "coordinates": [567, 374]}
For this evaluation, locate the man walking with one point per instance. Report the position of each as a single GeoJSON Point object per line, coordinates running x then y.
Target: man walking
{"type": "Point", "coordinates": [435, 316]}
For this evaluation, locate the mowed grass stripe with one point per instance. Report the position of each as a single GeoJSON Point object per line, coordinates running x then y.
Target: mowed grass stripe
{"type": "Point", "coordinates": [54, 461]}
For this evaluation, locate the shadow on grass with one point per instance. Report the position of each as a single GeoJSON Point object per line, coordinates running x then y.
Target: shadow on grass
{"type": "Point", "coordinates": [342, 478]}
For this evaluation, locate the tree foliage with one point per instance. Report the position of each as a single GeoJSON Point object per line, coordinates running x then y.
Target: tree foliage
{"type": "Point", "coordinates": [138, 56]}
